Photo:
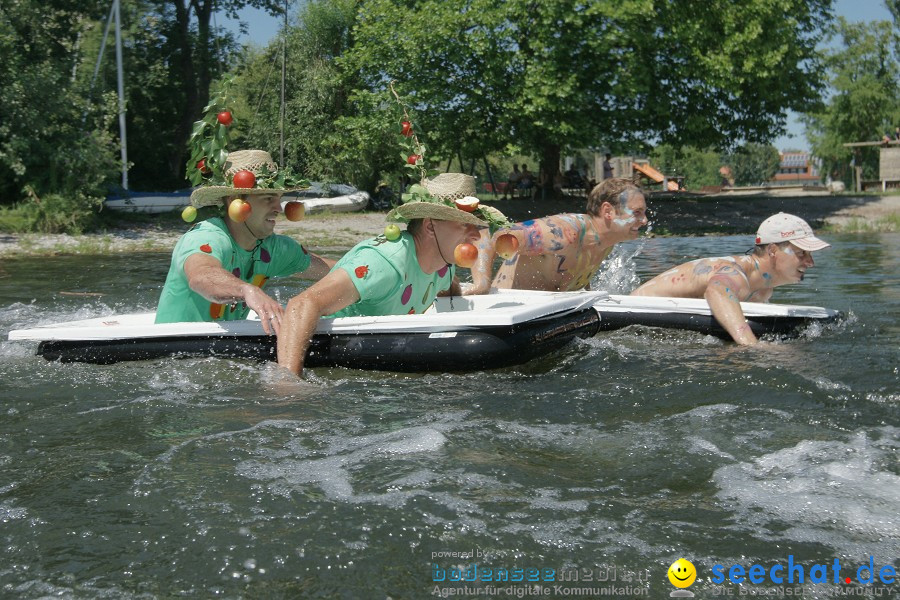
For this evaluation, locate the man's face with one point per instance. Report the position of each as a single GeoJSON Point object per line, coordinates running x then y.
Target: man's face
{"type": "Point", "coordinates": [791, 263]}
{"type": "Point", "coordinates": [450, 234]}
{"type": "Point", "coordinates": [264, 210]}
{"type": "Point", "coordinates": [630, 219]}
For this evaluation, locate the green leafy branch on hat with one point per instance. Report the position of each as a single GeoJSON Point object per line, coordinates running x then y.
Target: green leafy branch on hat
{"type": "Point", "coordinates": [209, 148]}
{"type": "Point", "coordinates": [279, 180]}
{"type": "Point", "coordinates": [494, 218]}
{"type": "Point", "coordinates": [413, 153]}
{"type": "Point", "coordinates": [209, 139]}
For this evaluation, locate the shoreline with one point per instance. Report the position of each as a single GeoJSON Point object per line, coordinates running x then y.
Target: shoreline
{"type": "Point", "coordinates": [334, 233]}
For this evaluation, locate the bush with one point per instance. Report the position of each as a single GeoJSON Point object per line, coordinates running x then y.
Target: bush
{"type": "Point", "coordinates": [53, 213]}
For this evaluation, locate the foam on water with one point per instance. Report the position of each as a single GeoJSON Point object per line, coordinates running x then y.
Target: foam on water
{"type": "Point", "coordinates": [332, 472]}
{"type": "Point", "coordinates": [841, 494]}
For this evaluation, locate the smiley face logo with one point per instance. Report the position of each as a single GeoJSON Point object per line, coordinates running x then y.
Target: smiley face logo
{"type": "Point", "coordinates": [682, 573]}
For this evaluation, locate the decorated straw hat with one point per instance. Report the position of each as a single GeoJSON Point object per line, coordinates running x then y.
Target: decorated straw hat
{"type": "Point", "coordinates": [258, 162]}
{"type": "Point", "coordinates": [446, 198]}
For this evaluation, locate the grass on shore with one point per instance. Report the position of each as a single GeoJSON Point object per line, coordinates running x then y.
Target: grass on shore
{"type": "Point", "coordinates": [888, 224]}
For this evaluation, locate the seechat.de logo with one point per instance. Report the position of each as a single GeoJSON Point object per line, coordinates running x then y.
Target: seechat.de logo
{"type": "Point", "coordinates": [796, 573]}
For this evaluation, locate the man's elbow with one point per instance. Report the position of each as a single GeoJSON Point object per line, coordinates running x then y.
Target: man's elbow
{"type": "Point", "coordinates": [296, 304]}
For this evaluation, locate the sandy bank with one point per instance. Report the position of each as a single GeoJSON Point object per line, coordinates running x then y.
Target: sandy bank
{"type": "Point", "coordinates": [334, 233]}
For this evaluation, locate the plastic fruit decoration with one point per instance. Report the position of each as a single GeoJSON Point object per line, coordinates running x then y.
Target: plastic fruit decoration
{"type": "Point", "coordinates": [294, 211]}
{"type": "Point", "coordinates": [465, 255]}
{"type": "Point", "coordinates": [506, 245]}
{"type": "Point", "coordinates": [189, 214]}
{"type": "Point", "coordinates": [413, 159]}
{"type": "Point", "coordinates": [224, 118]}
{"type": "Point", "coordinates": [468, 204]}
{"type": "Point", "coordinates": [244, 179]}
{"type": "Point", "coordinates": [392, 232]}
{"type": "Point", "coordinates": [201, 166]}
{"type": "Point", "coordinates": [239, 210]}
{"type": "Point", "coordinates": [406, 129]}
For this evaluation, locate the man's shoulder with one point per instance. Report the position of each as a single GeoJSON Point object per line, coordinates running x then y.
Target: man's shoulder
{"type": "Point", "coordinates": [569, 219]}
{"type": "Point", "coordinates": [208, 231]}
{"type": "Point", "coordinates": [380, 249]}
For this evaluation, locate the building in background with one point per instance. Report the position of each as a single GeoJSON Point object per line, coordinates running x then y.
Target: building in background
{"type": "Point", "coordinates": [797, 168]}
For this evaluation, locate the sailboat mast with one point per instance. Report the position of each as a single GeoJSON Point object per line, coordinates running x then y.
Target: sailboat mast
{"type": "Point", "coordinates": [121, 90]}
{"type": "Point", "coordinates": [283, 74]}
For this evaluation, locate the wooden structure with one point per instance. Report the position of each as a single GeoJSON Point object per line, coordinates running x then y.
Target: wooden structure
{"type": "Point", "coordinates": [670, 184]}
{"type": "Point", "coordinates": [888, 166]}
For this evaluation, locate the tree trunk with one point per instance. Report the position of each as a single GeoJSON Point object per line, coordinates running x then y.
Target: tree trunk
{"type": "Point", "coordinates": [190, 110]}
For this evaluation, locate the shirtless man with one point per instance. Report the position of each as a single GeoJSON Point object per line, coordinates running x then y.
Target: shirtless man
{"type": "Point", "coordinates": [783, 253]}
{"type": "Point", "coordinates": [562, 252]}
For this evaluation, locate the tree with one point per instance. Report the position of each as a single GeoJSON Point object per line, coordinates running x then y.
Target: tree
{"type": "Point", "coordinates": [754, 164]}
{"type": "Point", "coordinates": [558, 74]}
{"type": "Point", "coordinates": [333, 130]}
{"type": "Point", "coordinates": [51, 139]}
{"type": "Point", "coordinates": [194, 49]}
{"type": "Point", "coordinates": [699, 167]}
{"type": "Point", "coordinates": [864, 77]}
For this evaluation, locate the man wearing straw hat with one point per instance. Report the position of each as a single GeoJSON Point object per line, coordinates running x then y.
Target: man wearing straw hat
{"type": "Point", "coordinates": [403, 275]}
{"type": "Point", "coordinates": [783, 253]}
{"type": "Point", "coordinates": [561, 253]}
{"type": "Point", "coordinates": [220, 265]}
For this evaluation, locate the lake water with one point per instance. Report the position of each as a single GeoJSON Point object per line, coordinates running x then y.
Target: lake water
{"type": "Point", "coordinates": [611, 458]}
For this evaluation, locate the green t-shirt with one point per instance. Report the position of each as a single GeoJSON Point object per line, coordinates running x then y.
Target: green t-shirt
{"type": "Point", "coordinates": [389, 279]}
{"type": "Point", "coordinates": [275, 256]}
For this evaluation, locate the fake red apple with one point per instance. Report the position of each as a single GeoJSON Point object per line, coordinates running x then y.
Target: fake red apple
{"type": "Point", "coordinates": [189, 214]}
{"type": "Point", "coordinates": [406, 129]}
{"type": "Point", "coordinates": [244, 179]}
{"type": "Point", "coordinates": [413, 159]}
{"type": "Point", "coordinates": [392, 232]}
{"type": "Point", "coordinates": [468, 204]}
{"type": "Point", "coordinates": [294, 211]}
{"type": "Point", "coordinates": [465, 255]}
{"type": "Point", "coordinates": [201, 166]}
{"type": "Point", "coordinates": [224, 118]}
{"type": "Point", "coordinates": [238, 210]}
{"type": "Point", "coordinates": [506, 245]}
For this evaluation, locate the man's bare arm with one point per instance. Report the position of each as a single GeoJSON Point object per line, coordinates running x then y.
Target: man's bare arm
{"type": "Point", "coordinates": [482, 270]}
{"type": "Point", "coordinates": [319, 266]}
{"type": "Point", "coordinates": [330, 294]}
{"type": "Point", "coordinates": [723, 295]}
{"type": "Point", "coordinates": [206, 276]}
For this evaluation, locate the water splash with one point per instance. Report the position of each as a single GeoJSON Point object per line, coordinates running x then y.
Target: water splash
{"type": "Point", "coordinates": [841, 494]}
{"type": "Point", "coordinates": [618, 274]}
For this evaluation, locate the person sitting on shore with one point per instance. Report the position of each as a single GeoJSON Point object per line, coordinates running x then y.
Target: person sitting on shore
{"type": "Point", "coordinates": [219, 266]}
{"type": "Point", "coordinates": [395, 273]}
{"type": "Point", "coordinates": [562, 252]}
{"type": "Point", "coordinates": [783, 253]}
{"type": "Point", "coordinates": [512, 182]}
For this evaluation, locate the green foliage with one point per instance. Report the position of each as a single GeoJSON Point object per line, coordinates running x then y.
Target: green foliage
{"type": "Point", "coordinates": [754, 164]}
{"type": "Point", "coordinates": [559, 74]}
{"type": "Point", "coordinates": [56, 152]}
{"type": "Point", "coordinates": [698, 167]}
{"type": "Point", "coordinates": [333, 129]}
{"type": "Point", "coordinates": [864, 74]}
